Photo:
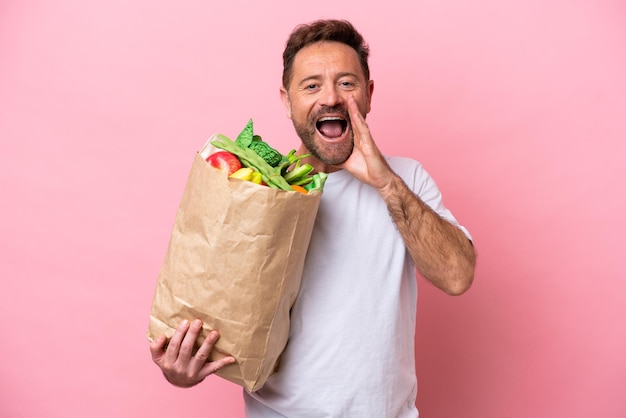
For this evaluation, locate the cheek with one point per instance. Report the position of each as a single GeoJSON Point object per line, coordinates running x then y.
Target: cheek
{"type": "Point", "coordinates": [364, 105]}
{"type": "Point", "coordinates": [301, 106]}
{"type": "Point", "coordinates": [299, 113]}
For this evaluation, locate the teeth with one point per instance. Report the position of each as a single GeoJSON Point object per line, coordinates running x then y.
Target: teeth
{"type": "Point", "coordinates": [329, 118]}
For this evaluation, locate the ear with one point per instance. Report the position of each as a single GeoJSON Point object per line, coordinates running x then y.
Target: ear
{"type": "Point", "coordinates": [370, 87]}
{"type": "Point", "coordinates": [284, 96]}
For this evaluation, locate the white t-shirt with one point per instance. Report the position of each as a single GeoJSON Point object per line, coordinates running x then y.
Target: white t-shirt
{"type": "Point", "coordinates": [351, 346]}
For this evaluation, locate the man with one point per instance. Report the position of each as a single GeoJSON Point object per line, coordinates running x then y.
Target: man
{"type": "Point", "coordinates": [351, 345]}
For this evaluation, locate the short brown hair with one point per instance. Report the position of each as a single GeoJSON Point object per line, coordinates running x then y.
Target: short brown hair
{"type": "Point", "coordinates": [324, 30]}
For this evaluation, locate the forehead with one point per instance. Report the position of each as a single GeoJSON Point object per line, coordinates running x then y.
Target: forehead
{"type": "Point", "coordinates": [325, 57]}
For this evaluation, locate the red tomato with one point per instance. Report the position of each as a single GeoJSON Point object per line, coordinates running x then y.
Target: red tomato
{"type": "Point", "coordinates": [224, 161]}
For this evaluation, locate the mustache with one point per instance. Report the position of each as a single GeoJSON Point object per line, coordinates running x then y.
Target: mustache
{"type": "Point", "coordinates": [333, 110]}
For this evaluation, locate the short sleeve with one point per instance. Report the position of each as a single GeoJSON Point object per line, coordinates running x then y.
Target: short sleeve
{"type": "Point", "coordinates": [425, 187]}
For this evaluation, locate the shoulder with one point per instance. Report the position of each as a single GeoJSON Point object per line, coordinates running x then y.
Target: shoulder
{"type": "Point", "coordinates": [411, 171]}
{"type": "Point", "coordinates": [400, 162]}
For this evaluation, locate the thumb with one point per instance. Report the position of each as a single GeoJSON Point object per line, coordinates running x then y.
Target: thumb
{"type": "Point", "coordinates": [157, 348]}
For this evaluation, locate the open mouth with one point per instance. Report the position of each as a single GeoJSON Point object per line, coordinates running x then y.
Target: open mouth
{"type": "Point", "coordinates": [332, 127]}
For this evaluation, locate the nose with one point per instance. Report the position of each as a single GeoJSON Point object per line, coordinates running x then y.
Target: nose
{"type": "Point", "coordinates": [330, 96]}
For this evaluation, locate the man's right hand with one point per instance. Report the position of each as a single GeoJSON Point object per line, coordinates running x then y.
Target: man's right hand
{"type": "Point", "coordinates": [179, 366]}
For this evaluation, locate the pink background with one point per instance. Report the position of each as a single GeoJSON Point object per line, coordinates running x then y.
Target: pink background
{"type": "Point", "coordinates": [517, 108]}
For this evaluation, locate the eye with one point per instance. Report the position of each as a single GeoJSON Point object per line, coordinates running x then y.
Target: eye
{"type": "Point", "coordinates": [346, 84]}
{"type": "Point", "coordinates": [311, 87]}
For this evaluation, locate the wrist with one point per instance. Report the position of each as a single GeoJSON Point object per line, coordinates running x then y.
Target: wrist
{"type": "Point", "coordinates": [391, 188]}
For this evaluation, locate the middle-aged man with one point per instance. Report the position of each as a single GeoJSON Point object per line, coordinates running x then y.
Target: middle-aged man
{"type": "Point", "coordinates": [351, 345]}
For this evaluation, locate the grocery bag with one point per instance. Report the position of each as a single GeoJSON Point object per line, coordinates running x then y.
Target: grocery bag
{"type": "Point", "coordinates": [234, 260]}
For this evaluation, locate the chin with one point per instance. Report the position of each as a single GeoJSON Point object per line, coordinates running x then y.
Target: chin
{"type": "Point", "coordinates": [333, 153]}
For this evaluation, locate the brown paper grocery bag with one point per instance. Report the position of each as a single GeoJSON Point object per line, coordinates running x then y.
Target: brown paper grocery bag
{"type": "Point", "coordinates": [234, 260]}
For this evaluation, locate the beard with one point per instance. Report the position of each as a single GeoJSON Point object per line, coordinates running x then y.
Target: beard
{"type": "Point", "coordinates": [328, 153]}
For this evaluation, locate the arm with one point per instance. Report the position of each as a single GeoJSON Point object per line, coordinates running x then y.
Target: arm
{"type": "Point", "coordinates": [177, 363]}
{"type": "Point", "coordinates": [441, 251]}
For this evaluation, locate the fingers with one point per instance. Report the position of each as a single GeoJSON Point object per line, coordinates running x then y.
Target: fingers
{"type": "Point", "coordinates": [367, 163]}
{"type": "Point", "coordinates": [353, 109]}
{"type": "Point", "coordinates": [212, 367]}
{"type": "Point", "coordinates": [189, 341]}
{"type": "Point", "coordinates": [362, 136]}
{"type": "Point", "coordinates": [356, 118]}
{"type": "Point", "coordinates": [173, 348]}
{"type": "Point", "coordinates": [203, 353]}
{"type": "Point", "coordinates": [178, 363]}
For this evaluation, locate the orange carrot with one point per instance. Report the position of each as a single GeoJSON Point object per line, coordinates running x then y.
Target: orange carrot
{"type": "Point", "coordinates": [299, 189]}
